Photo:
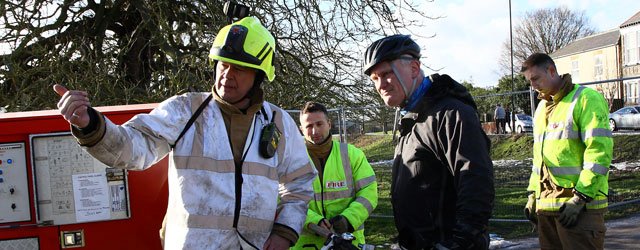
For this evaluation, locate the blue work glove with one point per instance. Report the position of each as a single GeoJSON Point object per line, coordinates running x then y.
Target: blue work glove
{"type": "Point", "coordinates": [530, 209]}
{"type": "Point", "coordinates": [570, 210]}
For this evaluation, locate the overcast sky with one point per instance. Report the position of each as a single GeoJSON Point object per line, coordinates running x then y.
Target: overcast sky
{"type": "Point", "coordinates": [468, 39]}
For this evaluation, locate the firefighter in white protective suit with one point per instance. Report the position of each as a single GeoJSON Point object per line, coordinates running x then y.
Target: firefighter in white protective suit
{"type": "Point", "coordinates": [239, 175]}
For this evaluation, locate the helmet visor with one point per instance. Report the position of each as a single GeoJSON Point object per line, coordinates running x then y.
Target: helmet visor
{"type": "Point", "coordinates": [233, 47]}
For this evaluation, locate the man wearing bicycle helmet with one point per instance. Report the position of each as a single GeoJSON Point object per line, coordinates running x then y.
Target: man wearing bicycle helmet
{"type": "Point", "coordinates": [239, 175]}
{"type": "Point", "coordinates": [442, 184]}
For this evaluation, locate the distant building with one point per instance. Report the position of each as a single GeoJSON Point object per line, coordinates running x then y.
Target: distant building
{"type": "Point", "coordinates": [591, 59]}
{"type": "Point", "coordinates": [608, 55]}
{"type": "Point", "coordinates": [630, 32]}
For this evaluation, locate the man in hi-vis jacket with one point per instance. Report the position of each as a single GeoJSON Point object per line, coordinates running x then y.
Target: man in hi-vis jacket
{"type": "Point", "coordinates": [572, 151]}
{"type": "Point", "coordinates": [228, 189]}
{"type": "Point", "coordinates": [345, 191]}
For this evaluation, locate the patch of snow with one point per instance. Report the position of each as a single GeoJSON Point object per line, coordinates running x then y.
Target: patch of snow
{"type": "Point", "coordinates": [385, 162]}
{"type": "Point", "coordinates": [627, 165]}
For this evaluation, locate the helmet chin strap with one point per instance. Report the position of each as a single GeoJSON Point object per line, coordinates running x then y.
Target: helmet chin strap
{"type": "Point", "coordinates": [407, 94]}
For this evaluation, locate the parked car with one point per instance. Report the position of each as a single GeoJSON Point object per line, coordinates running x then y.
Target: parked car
{"type": "Point", "coordinates": [523, 123]}
{"type": "Point", "coordinates": [626, 118]}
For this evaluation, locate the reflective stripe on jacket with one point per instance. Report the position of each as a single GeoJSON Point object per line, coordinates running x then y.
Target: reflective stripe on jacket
{"type": "Point", "coordinates": [576, 146]}
{"type": "Point", "coordinates": [349, 188]}
{"type": "Point", "coordinates": [200, 213]}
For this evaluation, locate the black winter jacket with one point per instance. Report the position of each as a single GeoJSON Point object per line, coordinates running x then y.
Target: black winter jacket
{"type": "Point", "coordinates": [442, 173]}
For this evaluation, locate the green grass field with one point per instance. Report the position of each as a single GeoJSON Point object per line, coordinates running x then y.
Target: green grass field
{"type": "Point", "coordinates": [510, 184]}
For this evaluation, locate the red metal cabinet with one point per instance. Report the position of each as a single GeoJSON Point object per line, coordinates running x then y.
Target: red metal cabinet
{"type": "Point", "coordinates": [147, 190]}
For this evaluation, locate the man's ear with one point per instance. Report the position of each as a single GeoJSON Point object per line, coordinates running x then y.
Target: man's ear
{"type": "Point", "coordinates": [552, 70]}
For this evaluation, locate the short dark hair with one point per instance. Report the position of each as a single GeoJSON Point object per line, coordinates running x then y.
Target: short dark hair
{"type": "Point", "coordinates": [537, 60]}
{"type": "Point", "coordinates": [311, 107]}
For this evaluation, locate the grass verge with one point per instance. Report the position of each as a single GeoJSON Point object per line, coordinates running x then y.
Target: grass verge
{"type": "Point", "coordinates": [511, 182]}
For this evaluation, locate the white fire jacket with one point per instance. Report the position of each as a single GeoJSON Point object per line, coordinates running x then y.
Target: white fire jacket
{"type": "Point", "coordinates": [202, 197]}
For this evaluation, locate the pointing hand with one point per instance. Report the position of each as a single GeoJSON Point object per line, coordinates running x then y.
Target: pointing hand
{"type": "Point", "coordinates": [73, 105]}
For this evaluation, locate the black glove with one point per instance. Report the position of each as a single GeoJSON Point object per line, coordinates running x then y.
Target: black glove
{"type": "Point", "coordinates": [340, 224]}
{"type": "Point", "coordinates": [340, 244]}
{"type": "Point", "coordinates": [465, 237]}
{"type": "Point", "coordinates": [455, 243]}
{"type": "Point", "coordinates": [411, 238]}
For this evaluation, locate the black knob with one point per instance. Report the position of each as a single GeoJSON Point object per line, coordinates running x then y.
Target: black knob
{"type": "Point", "coordinates": [11, 190]}
{"type": "Point", "coordinates": [13, 206]}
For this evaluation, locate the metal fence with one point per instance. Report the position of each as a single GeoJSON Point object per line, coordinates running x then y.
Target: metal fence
{"type": "Point", "coordinates": [613, 90]}
{"type": "Point", "coordinates": [511, 181]}
{"type": "Point", "coordinates": [351, 122]}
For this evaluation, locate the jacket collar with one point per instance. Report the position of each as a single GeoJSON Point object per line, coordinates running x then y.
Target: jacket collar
{"type": "Point", "coordinates": [567, 86]}
{"type": "Point", "coordinates": [255, 104]}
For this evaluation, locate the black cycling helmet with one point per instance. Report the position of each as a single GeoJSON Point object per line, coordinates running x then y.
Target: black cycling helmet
{"type": "Point", "coordinates": [389, 48]}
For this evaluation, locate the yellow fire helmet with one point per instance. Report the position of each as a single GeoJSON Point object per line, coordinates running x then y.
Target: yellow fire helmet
{"type": "Point", "coordinates": [246, 43]}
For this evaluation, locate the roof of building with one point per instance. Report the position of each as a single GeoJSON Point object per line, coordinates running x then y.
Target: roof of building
{"type": "Point", "coordinates": [593, 42]}
{"type": "Point", "coordinates": [631, 21]}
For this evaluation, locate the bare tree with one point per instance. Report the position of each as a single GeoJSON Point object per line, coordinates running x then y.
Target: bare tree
{"type": "Point", "coordinates": [609, 91]}
{"type": "Point", "coordinates": [135, 51]}
{"type": "Point", "coordinates": [543, 30]}
{"type": "Point", "coordinates": [119, 51]}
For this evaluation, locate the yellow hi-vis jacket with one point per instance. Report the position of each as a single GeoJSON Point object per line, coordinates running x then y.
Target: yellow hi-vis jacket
{"type": "Point", "coordinates": [349, 189]}
{"type": "Point", "coordinates": [576, 146]}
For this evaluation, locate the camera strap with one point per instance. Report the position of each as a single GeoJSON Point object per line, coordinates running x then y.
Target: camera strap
{"type": "Point", "coordinates": [264, 114]}
{"type": "Point", "coordinates": [193, 118]}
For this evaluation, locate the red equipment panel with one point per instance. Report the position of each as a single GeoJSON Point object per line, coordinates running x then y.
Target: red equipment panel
{"type": "Point", "coordinates": [148, 190]}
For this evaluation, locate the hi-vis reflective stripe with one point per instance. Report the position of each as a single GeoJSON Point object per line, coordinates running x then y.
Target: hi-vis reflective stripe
{"type": "Point", "coordinates": [554, 204]}
{"type": "Point", "coordinates": [295, 174]}
{"type": "Point", "coordinates": [565, 134]}
{"type": "Point", "coordinates": [596, 168]}
{"type": "Point", "coordinates": [334, 195]}
{"type": "Point", "coordinates": [596, 132]}
{"type": "Point", "coordinates": [574, 102]}
{"type": "Point", "coordinates": [351, 188]}
{"type": "Point", "coordinates": [348, 174]}
{"type": "Point", "coordinates": [365, 203]}
{"type": "Point", "coordinates": [598, 203]}
{"type": "Point", "coordinates": [569, 134]}
{"type": "Point", "coordinates": [551, 204]}
{"type": "Point", "coordinates": [346, 165]}
{"type": "Point", "coordinates": [295, 197]}
{"type": "Point", "coordinates": [536, 170]}
{"type": "Point", "coordinates": [226, 222]}
{"type": "Point", "coordinates": [537, 138]}
{"type": "Point", "coordinates": [224, 166]}
{"type": "Point", "coordinates": [364, 182]}
{"type": "Point", "coordinates": [563, 170]}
